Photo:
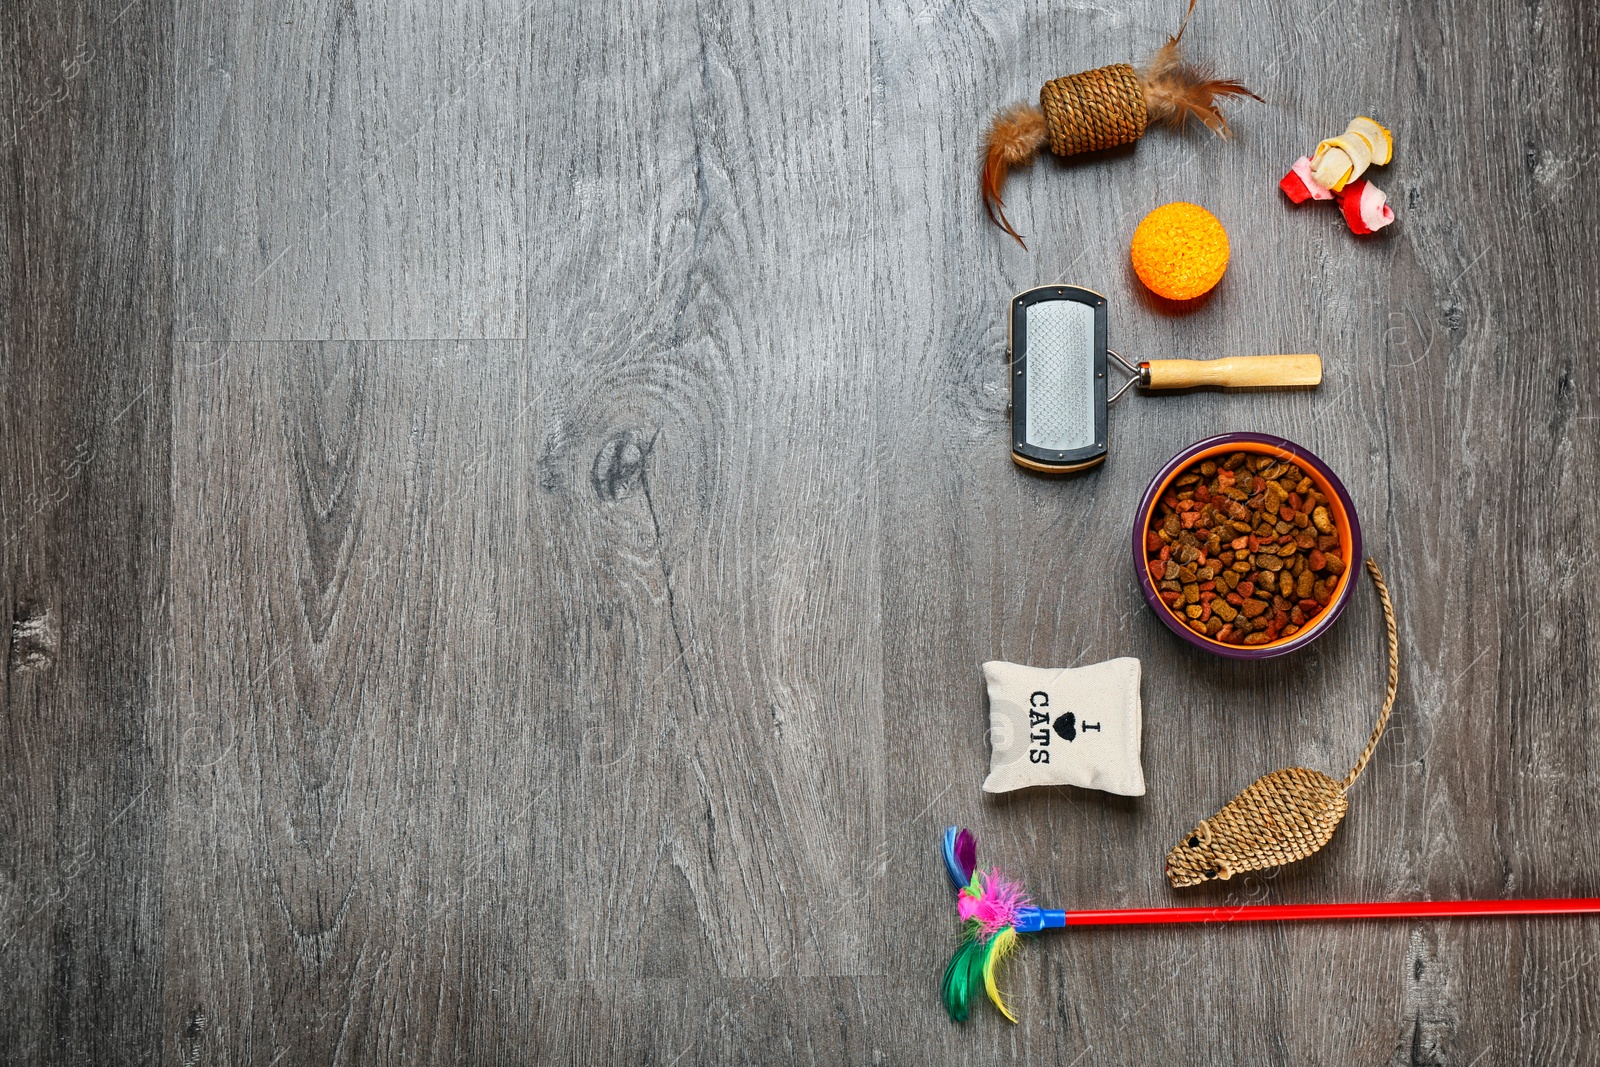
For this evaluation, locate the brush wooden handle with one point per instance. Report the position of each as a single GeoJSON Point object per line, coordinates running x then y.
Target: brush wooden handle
{"type": "Point", "coordinates": [1234, 372]}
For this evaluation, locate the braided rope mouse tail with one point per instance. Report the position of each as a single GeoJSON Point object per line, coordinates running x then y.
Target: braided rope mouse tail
{"type": "Point", "coordinates": [1394, 678]}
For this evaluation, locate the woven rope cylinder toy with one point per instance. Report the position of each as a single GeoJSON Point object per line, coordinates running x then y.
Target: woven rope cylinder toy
{"type": "Point", "coordinates": [1099, 109]}
{"type": "Point", "coordinates": [1094, 110]}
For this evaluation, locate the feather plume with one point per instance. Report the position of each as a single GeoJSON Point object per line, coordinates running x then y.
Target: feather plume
{"type": "Point", "coordinates": [957, 986]}
{"type": "Point", "coordinates": [988, 905]}
{"type": "Point", "coordinates": [966, 852]}
{"type": "Point", "coordinates": [1000, 946]}
{"type": "Point", "coordinates": [996, 907]}
{"type": "Point", "coordinates": [1014, 140]}
{"type": "Point", "coordinates": [1176, 91]}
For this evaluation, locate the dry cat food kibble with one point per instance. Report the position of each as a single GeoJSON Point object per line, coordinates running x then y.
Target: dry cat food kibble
{"type": "Point", "coordinates": [1244, 551]}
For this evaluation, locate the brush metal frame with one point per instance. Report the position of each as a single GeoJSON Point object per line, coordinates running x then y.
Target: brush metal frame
{"type": "Point", "coordinates": [1055, 461]}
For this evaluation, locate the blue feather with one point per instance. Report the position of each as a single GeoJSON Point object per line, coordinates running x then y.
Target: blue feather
{"type": "Point", "coordinates": [960, 856]}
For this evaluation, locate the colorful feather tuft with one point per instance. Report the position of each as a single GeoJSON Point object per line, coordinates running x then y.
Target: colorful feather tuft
{"type": "Point", "coordinates": [988, 905]}
{"type": "Point", "coordinates": [1175, 91]}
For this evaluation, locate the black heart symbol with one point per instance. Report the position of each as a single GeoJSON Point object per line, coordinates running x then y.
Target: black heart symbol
{"type": "Point", "coordinates": [1067, 725]}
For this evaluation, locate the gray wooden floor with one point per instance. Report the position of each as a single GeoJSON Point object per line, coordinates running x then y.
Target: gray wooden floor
{"type": "Point", "coordinates": [503, 508]}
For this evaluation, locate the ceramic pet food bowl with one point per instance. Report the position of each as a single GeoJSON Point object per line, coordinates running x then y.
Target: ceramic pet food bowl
{"type": "Point", "coordinates": [1255, 622]}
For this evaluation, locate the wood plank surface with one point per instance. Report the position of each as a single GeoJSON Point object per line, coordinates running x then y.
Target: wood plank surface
{"type": "Point", "coordinates": [349, 170]}
{"type": "Point", "coordinates": [87, 274]}
{"type": "Point", "coordinates": [505, 505]}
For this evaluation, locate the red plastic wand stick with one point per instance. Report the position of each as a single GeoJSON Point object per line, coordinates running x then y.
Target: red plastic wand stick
{"type": "Point", "coordinates": [1392, 909]}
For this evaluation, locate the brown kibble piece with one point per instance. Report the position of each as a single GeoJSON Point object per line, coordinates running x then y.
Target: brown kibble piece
{"type": "Point", "coordinates": [1253, 608]}
{"type": "Point", "coordinates": [1272, 503]}
{"type": "Point", "coordinates": [1302, 589]}
{"type": "Point", "coordinates": [1323, 523]}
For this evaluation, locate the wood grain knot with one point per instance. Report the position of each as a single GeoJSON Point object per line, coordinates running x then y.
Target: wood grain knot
{"type": "Point", "coordinates": [619, 465]}
{"type": "Point", "coordinates": [193, 1032]}
{"type": "Point", "coordinates": [33, 638]}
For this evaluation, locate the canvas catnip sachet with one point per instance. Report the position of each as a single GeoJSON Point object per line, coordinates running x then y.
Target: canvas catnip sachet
{"type": "Point", "coordinates": [1064, 726]}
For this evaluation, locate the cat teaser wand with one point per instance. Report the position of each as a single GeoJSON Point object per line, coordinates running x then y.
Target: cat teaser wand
{"type": "Point", "coordinates": [994, 911]}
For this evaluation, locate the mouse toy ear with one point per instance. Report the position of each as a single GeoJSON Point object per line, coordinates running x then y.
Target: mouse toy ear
{"type": "Point", "coordinates": [1099, 109]}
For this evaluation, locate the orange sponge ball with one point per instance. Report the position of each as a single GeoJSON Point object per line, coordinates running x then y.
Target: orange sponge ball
{"type": "Point", "coordinates": [1180, 251]}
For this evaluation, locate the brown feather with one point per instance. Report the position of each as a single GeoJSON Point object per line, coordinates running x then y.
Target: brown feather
{"type": "Point", "coordinates": [1176, 91]}
{"type": "Point", "coordinates": [1014, 140]}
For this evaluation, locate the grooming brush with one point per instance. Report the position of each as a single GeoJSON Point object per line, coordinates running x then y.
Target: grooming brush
{"type": "Point", "coordinates": [994, 911]}
{"type": "Point", "coordinates": [1059, 358]}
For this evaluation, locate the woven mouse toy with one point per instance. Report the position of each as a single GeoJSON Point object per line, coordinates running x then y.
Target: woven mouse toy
{"type": "Point", "coordinates": [1283, 816]}
{"type": "Point", "coordinates": [1102, 108]}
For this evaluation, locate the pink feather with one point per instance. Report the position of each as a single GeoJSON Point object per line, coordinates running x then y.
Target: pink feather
{"type": "Point", "coordinates": [996, 906]}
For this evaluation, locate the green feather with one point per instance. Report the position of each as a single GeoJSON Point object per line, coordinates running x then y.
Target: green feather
{"type": "Point", "coordinates": [962, 979]}
{"type": "Point", "coordinates": [978, 968]}
{"type": "Point", "coordinates": [970, 971]}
